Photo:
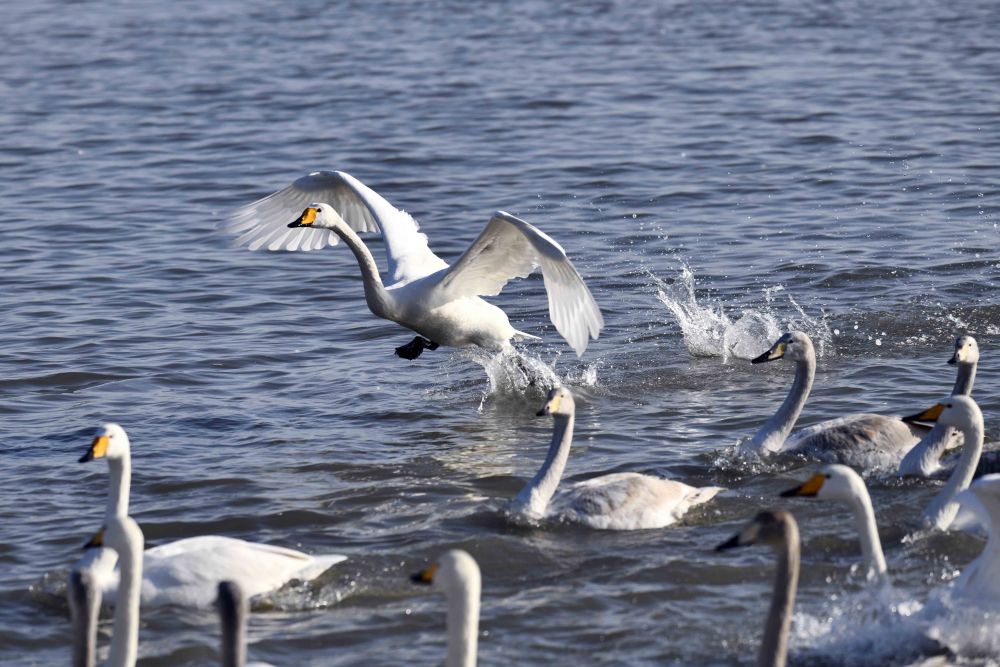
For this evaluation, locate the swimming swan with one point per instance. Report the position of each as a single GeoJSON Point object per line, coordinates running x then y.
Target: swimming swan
{"type": "Point", "coordinates": [621, 501]}
{"type": "Point", "coordinates": [777, 529]}
{"type": "Point", "coordinates": [457, 573]}
{"type": "Point", "coordinates": [186, 572]}
{"type": "Point", "coordinates": [862, 440]}
{"type": "Point", "coordinates": [981, 578]}
{"type": "Point", "coordinates": [441, 303]}
{"type": "Point", "coordinates": [84, 608]}
{"type": "Point", "coordinates": [233, 612]}
{"type": "Point", "coordinates": [122, 534]}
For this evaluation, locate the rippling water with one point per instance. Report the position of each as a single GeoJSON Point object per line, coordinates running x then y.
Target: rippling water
{"type": "Point", "coordinates": [718, 171]}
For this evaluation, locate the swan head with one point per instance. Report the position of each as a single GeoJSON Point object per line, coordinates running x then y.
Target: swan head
{"type": "Point", "coordinates": [772, 527]}
{"type": "Point", "coordinates": [454, 572]}
{"type": "Point", "coordinates": [318, 216]}
{"type": "Point", "coordinates": [111, 442]}
{"type": "Point", "coordinates": [959, 411]}
{"type": "Point", "coordinates": [966, 351]}
{"type": "Point", "coordinates": [559, 402]}
{"type": "Point", "coordinates": [831, 482]}
{"type": "Point", "coordinates": [793, 345]}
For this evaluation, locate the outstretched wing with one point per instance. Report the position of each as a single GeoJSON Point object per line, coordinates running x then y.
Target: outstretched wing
{"type": "Point", "coordinates": [511, 248]}
{"type": "Point", "coordinates": [264, 223]}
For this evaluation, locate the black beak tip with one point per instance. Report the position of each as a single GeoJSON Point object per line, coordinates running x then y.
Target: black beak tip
{"type": "Point", "coordinates": [540, 413]}
{"type": "Point", "coordinates": [293, 224]}
{"type": "Point", "coordinates": [86, 457]}
{"type": "Point", "coordinates": [761, 359]}
{"type": "Point", "coordinates": [731, 543]}
{"type": "Point", "coordinates": [418, 578]}
{"type": "Point", "coordinates": [789, 493]}
{"type": "Point", "coordinates": [953, 361]}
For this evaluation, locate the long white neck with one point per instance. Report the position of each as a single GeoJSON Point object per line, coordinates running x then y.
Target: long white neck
{"type": "Point", "coordinates": [924, 458]}
{"type": "Point", "coordinates": [774, 646]}
{"type": "Point", "coordinates": [965, 379]}
{"type": "Point", "coordinates": [534, 498]}
{"type": "Point", "coordinates": [120, 479]}
{"type": "Point", "coordinates": [84, 605]}
{"type": "Point", "coordinates": [125, 635]}
{"type": "Point", "coordinates": [871, 545]}
{"type": "Point", "coordinates": [943, 508]}
{"type": "Point", "coordinates": [375, 295]}
{"type": "Point", "coordinates": [463, 625]}
{"type": "Point", "coordinates": [772, 434]}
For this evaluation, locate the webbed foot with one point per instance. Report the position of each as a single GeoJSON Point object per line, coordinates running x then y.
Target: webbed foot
{"type": "Point", "coordinates": [415, 348]}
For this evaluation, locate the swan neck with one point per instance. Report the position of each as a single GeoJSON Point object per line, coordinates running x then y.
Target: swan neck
{"type": "Point", "coordinates": [943, 508]}
{"type": "Point", "coordinates": [463, 625]}
{"type": "Point", "coordinates": [774, 647]}
{"type": "Point", "coordinates": [120, 474]}
{"type": "Point", "coordinates": [234, 635]}
{"type": "Point", "coordinates": [965, 379]}
{"type": "Point", "coordinates": [535, 497]}
{"type": "Point", "coordinates": [84, 606]}
{"type": "Point", "coordinates": [871, 545]}
{"type": "Point", "coordinates": [375, 294]}
{"type": "Point", "coordinates": [125, 635]}
{"type": "Point", "coordinates": [925, 456]}
{"type": "Point", "coordinates": [773, 434]}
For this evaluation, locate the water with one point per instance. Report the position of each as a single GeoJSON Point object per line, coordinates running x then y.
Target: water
{"type": "Point", "coordinates": [758, 165]}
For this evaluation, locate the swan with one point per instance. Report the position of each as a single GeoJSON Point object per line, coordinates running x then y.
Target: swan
{"type": "Point", "coordinates": [862, 440]}
{"type": "Point", "coordinates": [84, 607]}
{"type": "Point", "coordinates": [233, 611]}
{"type": "Point", "coordinates": [981, 578]}
{"type": "Point", "coordinates": [457, 573]}
{"type": "Point", "coordinates": [777, 529]}
{"type": "Point", "coordinates": [186, 572]}
{"type": "Point", "coordinates": [439, 302]}
{"type": "Point", "coordinates": [924, 459]}
{"type": "Point", "coordinates": [621, 501]}
{"type": "Point", "coordinates": [123, 535]}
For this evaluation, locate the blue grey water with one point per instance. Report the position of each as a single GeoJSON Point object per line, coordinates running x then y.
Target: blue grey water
{"type": "Point", "coordinates": [718, 171]}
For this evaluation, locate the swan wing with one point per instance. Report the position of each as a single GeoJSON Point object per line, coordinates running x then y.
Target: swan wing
{"type": "Point", "coordinates": [264, 223]}
{"type": "Point", "coordinates": [511, 248]}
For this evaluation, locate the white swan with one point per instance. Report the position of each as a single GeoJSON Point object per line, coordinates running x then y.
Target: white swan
{"type": "Point", "coordinates": [457, 573]}
{"type": "Point", "coordinates": [621, 501]}
{"type": "Point", "coordinates": [924, 459]}
{"type": "Point", "coordinates": [981, 578]}
{"type": "Point", "coordinates": [777, 529]}
{"type": "Point", "coordinates": [84, 608]}
{"type": "Point", "coordinates": [441, 303]}
{"type": "Point", "coordinates": [233, 612]}
{"type": "Point", "coordinates": [186, 572]}
{"type": "Point", "coordinates": [864, 440]}
{"type": "Point", "coordinates": [122, 534]}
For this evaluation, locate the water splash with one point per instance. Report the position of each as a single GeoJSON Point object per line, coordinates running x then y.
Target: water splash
{"type": "Point", "coordinates": [710, 332]}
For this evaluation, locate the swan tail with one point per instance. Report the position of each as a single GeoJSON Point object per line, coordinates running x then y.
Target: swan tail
{"type": "Point", "coordinates": [319, 565]}
{"type": "Point", "coordinates": [704, 494]}
{"type": "Point", "coordinates": [520, 335]}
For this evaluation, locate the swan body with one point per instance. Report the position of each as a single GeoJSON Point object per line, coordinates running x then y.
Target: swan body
{"type": "Point", "coordinates": [457, 573]}
{"type": "Point", "coordinates": [863, 440]}
{"type": "Point", "coordinates": [423, 293]}
{"type": "Point", "coordinates": [621, 501]}
{"type": "Point", "coordinates": [776, 528]}
{"type": "Point", "coordinates": [186, 572]}
{"type": "Point", "coordinates": [233, 611]}
{"type": "Point", "coordinates": [981, 578]}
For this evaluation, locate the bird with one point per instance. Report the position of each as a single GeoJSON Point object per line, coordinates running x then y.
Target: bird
{"type": "Point", "coordinates": [863, 440]}
{"type": "Point", "coordinates": [84, 600]}
{"type": "Point", "coordinates": [457, 574]}
{"type": "Point", "coordinates": [777, 529]}
{"type": "Point", "coordinates": [421, 292]}
{"type": "Point", "coordinates": [186, 572]}
{"type": "Point", "coordinates": [123, 535]}
{"type": "Point", "coordinates": [620, 501]}
{"type": "Point", "coordinates": [981, 578]}
{"type": "Point", "coordinates": [233, 612]}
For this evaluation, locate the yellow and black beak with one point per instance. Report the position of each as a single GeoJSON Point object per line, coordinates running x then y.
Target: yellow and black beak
{"type": "Point", "coordinates": [776, 352]}
{"type": "Point", "coordinates": [96, 541]}
{"type": "Point", "coordinates": [551, 405]}
{"type": "Point", "coordinates": [98, 449]}
{"type": "Point", "coordinates": [426, 576]}
{"type": "Point", "coordinates": [931, 414]}
{"type": "Point", "coordinates": [306, 219]}
{"type": "Point", "coordinates": [954, 358]}
{"type": "Point", "coordinates": [807, 489]}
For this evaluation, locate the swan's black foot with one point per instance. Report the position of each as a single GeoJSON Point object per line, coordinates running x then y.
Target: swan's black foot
{"type": "Point", "coordinates": [415, 348]}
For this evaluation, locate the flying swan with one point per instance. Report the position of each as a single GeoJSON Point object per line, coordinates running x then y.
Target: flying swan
{"type": "Point", "coordinates": [457, 573]}
{"type": "Point", "coordinates": [439, 302]}
{"type": "Point", "coordinates": [621, 501]}
{"type": "Point", "coordinates": [187, 572]}
{"type": "Point", "coordinates": [862, 440]}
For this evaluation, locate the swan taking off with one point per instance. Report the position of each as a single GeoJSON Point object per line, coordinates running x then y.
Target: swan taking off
{"type": "Point", "coordinates": [622, 501]}
{"type": "Point", "coordinates": [457, 574]}
{"type": "Point", "coordinates": [981, 578]}
{"type": "Point", "coordinates": [186, 572]}
{"type": "Point", "coordinates": [441, 303]}
{"type": "Point", "coordinates": [863, 440]}
{"type": "Point", "coordinates": [777, 529]}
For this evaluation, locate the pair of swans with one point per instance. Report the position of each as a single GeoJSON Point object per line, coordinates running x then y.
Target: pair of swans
{"type": "Point", "coordinates": [620, 501]}
{"type": "Point", "coordinates": [439, 302]}
{"type": "Point", "coordinates": [862, 440]}
{"type": "Point", "coordinates": [187, 571]}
